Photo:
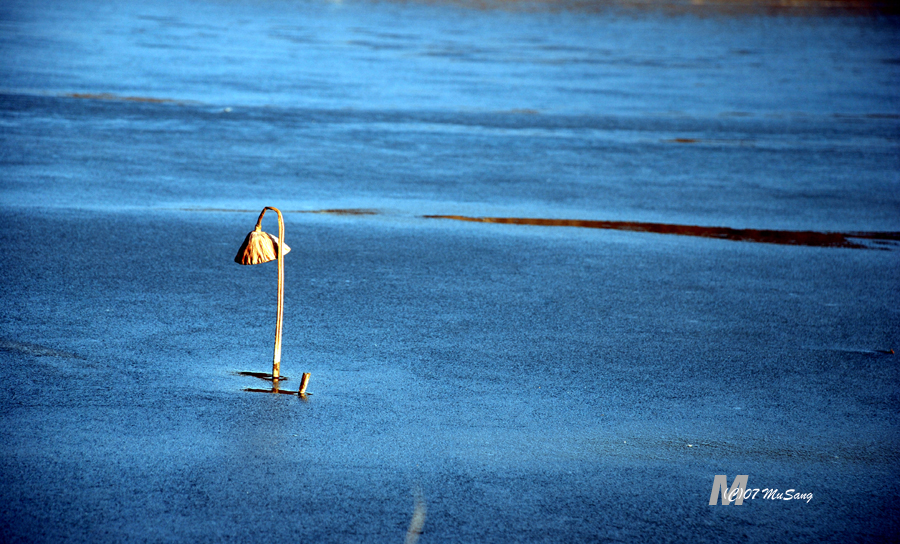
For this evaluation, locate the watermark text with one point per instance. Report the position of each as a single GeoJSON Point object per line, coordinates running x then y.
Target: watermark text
{"type": "Point", "coordinates": [740, 491]}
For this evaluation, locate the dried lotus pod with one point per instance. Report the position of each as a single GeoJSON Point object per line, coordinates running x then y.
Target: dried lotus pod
{"type": "Point", "coordinates": [259, 247]}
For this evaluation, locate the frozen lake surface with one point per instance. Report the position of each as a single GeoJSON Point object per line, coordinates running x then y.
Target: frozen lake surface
{"type": "Point", "coordinates": [545, 377]}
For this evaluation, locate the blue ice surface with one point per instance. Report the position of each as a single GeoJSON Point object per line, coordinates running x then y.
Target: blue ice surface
{"type": "Point", "coordinates": [533, 384]}
{"type": "Point", "coordinates": [408, 106]}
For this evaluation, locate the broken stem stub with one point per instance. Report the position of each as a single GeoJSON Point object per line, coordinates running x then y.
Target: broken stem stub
{"type": "Point", "coordinates": [303, 383]}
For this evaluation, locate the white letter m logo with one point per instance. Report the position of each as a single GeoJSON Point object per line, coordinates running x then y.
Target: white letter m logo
{"type": "Point", "coordinates": [736, 493]}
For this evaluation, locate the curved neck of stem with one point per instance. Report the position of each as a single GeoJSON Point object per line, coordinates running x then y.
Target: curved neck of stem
{"type": "Point", "coordinates": [279, 317]}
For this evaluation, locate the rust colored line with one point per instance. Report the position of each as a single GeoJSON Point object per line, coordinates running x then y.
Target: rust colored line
{"type": "Point", "coordinates": [345, 211]}
{"type": "Point", "coordinates": [785, 237]}
{"type": "Point", "coordinates": [110, 96]}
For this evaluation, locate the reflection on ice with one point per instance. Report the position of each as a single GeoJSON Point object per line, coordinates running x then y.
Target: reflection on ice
{"type": "Point", "coordinates": [262, 376]}
{"type": "Point", "coordinates": [276, 384]}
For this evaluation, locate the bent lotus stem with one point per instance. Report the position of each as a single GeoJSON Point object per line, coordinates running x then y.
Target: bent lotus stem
{"type": "Point", "coordinates": [279, 315]}
{"type": "Point", "coordinates": [260, 247]}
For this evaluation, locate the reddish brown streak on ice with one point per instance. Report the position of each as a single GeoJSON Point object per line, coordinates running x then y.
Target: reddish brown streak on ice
{"type": "Point", "coordinates": [786, 237]}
